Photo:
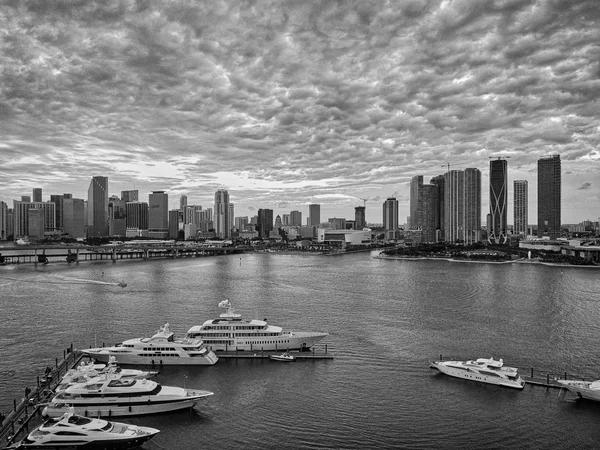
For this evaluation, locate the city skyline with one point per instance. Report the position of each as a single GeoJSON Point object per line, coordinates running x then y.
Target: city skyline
{"type": "Point", "coordinates": [289, 104]}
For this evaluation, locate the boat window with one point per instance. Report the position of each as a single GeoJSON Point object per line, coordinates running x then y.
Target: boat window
{"type": "Point", "coordinates": [69, 433]}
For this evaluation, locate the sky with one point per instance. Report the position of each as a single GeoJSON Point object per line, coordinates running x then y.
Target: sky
{"type": "Point", "coordinates": [288, 103]}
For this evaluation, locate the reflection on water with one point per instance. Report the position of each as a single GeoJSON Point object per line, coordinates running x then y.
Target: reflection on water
{"type": "Point", "coordinates": [387, 320]}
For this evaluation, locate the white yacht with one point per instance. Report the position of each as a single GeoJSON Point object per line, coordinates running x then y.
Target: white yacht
{"type": "Point", "coordinates": [71, 431]}
{"type": "Point", "coordinates": [483, 370]}
{"type": "Point", "coordinates": [583, 389]}
{"type": "Point", "coordinates": [84, 371]}
{"type": "Point", "coordinates": [230, 332]}
{"type": "Point", "coordinates": [160, 349]}
{"type": "Point", "coordinates": [111, 395]}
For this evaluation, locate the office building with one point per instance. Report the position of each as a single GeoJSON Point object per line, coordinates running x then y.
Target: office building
{"type": "Point", "coordinates": [221, 218]}
{"type": "Point", "coordinates": [158, 215]}
{"type": "Point", "coordinates": [37, 194]}
{"type": "Point", "coordinates": [497, 233]}
{"type": "Point", "coordinates": [117, 212]}
{"type": "Point", "coordinates": [58, 200]}
{"type": "Point", "coordinates": [521, 207]}
{"type": "Point", "coordinates": [130, 196]}
{"type": "Point", "coordinates": [337, 223]}
{"type": "Point", "coordinates": [265, 223]}
{"type": "Point", "coordinates": [3, 221]}
{"type": "Point", "coordinates": [74, 216]}
{"type": "Point", "coordinates": [314, 215]}
{"type": "Point", "coordinates": [360, 220]}
{"type": "Point", "coordinates": [97, 222]}
{"type": "Point", "coordinates": [295, 218]}
{"type": "Point", "coordinates": [47, 212]}
{"type": "Point", "coordinates": [390, 217]}
{"type": "Point", "coordinates": [174, 223]}
{"type": "Point", "coordinates": [549, 197]}
{"type": "Point", "coordinates": [416, 202]}
{"type": "Point", "coordinates": [137, 219]}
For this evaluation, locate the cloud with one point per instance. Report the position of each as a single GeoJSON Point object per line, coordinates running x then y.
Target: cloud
{"type": "Point", "coordinates": [586, 185]}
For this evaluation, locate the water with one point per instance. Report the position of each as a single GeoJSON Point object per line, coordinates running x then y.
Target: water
{"type": "Point", "coordinates": [387, 321]}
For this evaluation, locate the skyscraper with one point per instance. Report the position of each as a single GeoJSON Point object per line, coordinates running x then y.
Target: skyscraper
{"type": "Point", "coordinates": [265, 223]}
{"type": "Point", "coordinates": [137, 218]}
{"type": "Point", "coordinates": [549, 190]}
{"type": "Point", "coordinates": [158, 215]}
{"type": "Point", "coordinates": [130, 196]}
{"type": "Point", "coordinates": [360, 221]}
{"type": "Point", "coordinates": [416, 201]}
{"type": "Point", "coordinates": [439, 182]}
{"type": "Point", "coordinates": [429, 217]}
{"type": "Point", "coordinates": [98, 207]}
{"type": "Point", "coordinates": [3, 221]}
{"type": "Point", "coordinates": [58, 200]}
{"type": "Point", "coordinates": [521, 219]}
{"type": "Point", "coordinates": [37, 194]}
{"type": "Point", "coordinates": [295, 218]}
{"type": "Point", "coordinates": [390, 217]}
{"type": "Point", "coordinates": [498, 201]}
{"type": "Point", "coordinates": [221, 214]}
{"type": "Point", "coordinates": [462, 204]}
{"type": "Point", "coordinates": [74, 217]}
{"type": "Point", "coordinates": [314, 215]}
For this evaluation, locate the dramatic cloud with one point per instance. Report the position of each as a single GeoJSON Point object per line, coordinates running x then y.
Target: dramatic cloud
{"type": "Point", "coordinates": [285, 103]}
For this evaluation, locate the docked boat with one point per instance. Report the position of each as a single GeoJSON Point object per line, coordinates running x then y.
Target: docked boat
{"type": "Point", "coordinates": [71, 431]}
{"type": "Point", "coordinates": [111, 395]}
{"type": "Point", "coordinates": [231, 332]}
{"type": "Point", "coordinates": [483, 370]}
{"type": "Point", "coordinates": [85, 371]}
{"type": "Point", "coordinates": [162, 349]}
{"type": "Point", "coordinates": [583, 389]}
{"type": "Point", "coordinates": [285, 357]}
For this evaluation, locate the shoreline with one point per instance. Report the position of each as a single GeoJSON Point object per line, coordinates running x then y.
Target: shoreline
{"type": "Point", "coordinates": [516, 261]}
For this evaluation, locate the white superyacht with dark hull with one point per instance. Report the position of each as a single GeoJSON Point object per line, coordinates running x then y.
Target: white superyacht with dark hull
{"type": "Point", "coordinates": [483, 370]}
{"type": "Point", "coordinates": [230, 332]}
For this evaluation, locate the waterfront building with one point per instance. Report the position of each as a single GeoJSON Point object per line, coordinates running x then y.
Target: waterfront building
{"type": "Point", "coordinates": [497, 233]}
{"type": "Point", "coordinates": [277, 222]}
{"type": "Point", "coordinates": [360, 220]}
{"type": "Point", "coordinates": [231, 218]}
{"type": "Point", "coordinates": [3, 221]}
{"type": "Point", "coordinates": [390, 217]}
{"type": "Point", "coordinates": [337, 223]}
{"type": "Point", "coordinates": [137, 219]}
{"type": "Point", "coordinates": [21, 214]}
{"type": "Point", "coordinates": [98, 207]}
{"type": "Point", "coordinates": [117, 212]}
{"type": "Point", "coordinates": [26, 198]}
{"type": "Point", "coordinates": [58, 200]}
{"type": "Point", "coordinates": [416, 202]}
{"type": "Point", "coordinates": [314, 215]}
{"type": "Point", "coordinates": [37, 195]}
{"type": "Point", "coordinates": [438, 181]}
{"type": "Point", "coordinates": [265, 223]}
{"type": "Point", "coordinates": [74, 216]}
{"type": "Point", "coordinates": [462, 206]}
{"type": "Point", "coordinates": [342, 238]}
{"type": "Point", "coordinates": [472, 206]}
{"type": "Point", "coordinates": [295, 218]}
{"type": "Point", "coordinates": [241, 223]}
{"type": "Point", "coordinates": [130, 196]}
{"type": "Point", "coordinates": [549, 193]}
{"type": "Point", "coordinates": [174, 223]}
{"type": "Point", "coordinates": [221, 216]}
{"type": "Point", "coordinates": [35, 223]}
{"type": "Point", "coordinates": [520, 212]}
{"type": "Point", "coordinates": [158, 215]}
{"type": "Point", "coordinates": [429, 214]}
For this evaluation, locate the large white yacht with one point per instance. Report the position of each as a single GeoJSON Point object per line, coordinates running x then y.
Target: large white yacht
{"type": "Point", "coordinates": [230, 332]}
{"type": "Point", "coordinates": [111, 395]}
{"type": "Point", "coordinates": [86, 370]}
{"type": "Point", "coordinates": [583, 389]}
{"type": "Point", "coordinates": [72, 431]}
{"type": "Point", "coordinates": [160, 349]}
{"type": "Point", "coordinates": [483, 370]}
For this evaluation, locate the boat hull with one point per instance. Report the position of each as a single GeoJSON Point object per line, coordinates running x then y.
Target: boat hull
{"type": "Point", "coordinates": [102, 355]}
{"type": "Point", "coordinates": [581, 389]}
{"type": "Point", "coordinates": [300, 341]}
{"type": "Point", "coordinates": [112, 444]}
{"type": "Point", "coordinates": [475, 376]}
{"type": "Point", "coordinates": [120, 410]}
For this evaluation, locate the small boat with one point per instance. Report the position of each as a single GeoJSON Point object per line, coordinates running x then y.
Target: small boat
{"type": "Point", "coordinates": [285, 356]}
{"type": "Point", "coordinates": [71, 431]}
{"type": "Point", "coordinates": [589, 390]}
{"type": "Point", "coordinates": [484, 370]}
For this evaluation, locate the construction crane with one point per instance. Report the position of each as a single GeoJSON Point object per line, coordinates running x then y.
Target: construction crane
{"type": "Point", "coordinates": [364, 201]}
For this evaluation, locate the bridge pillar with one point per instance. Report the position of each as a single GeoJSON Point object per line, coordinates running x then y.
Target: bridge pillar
{"type": "Point", "coordinates": [114, 254]}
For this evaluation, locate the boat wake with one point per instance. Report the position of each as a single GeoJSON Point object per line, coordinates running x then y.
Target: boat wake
{"type": "Point", "coordinates": [66, 280]}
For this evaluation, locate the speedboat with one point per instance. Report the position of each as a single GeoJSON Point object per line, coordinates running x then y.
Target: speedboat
{"type": "Point", "coordinates": [162, 349]}
{"type": "Point", "coordinates": [73, 432]}
{"type": "Point", "coordinates": [583, 389]}
{"type": "Point", "coordinates": [285, 356]}
{"type": "Point", "coordinates": [111, 395]}
{"type": "Point", "coordinates": [231, 332]}
{"type": "Point", "coordinates": [483, 370]}
{"type": "Point", "coordinates": [84, 371]}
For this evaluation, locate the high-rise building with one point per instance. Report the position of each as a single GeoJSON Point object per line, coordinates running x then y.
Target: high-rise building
{"type": "Point", "coordinates": [265, 223]}
{"type": "Point", "coordinates": [3, 221]}
{"type": "Point", "coordinates": [37, 194]}
{"type": "Point", "coordinates": [462, 206]}
{"type": "Point", "coordinates": [98, 207]}
{"type": "Point", "coordinates": [21, 221]}
{"type": "Point", "coordinates": [174, 223]}
{"type": "Point", "coordinates": [182, 202]}
{"type": "Point", "coordinates": [58, 200]}
{"type": "Point", "coordinates": [497, 234]}
{"type": "Point", "coordinates": [130, 196]}
{"type": "Point", "coordinates": [285, 220]}
{"type": "Point", "coordinates": [137, 218]}
{"type": "Point", "coordinates": [158, 215]}
{"type": "Point", "coordinates": [295, 218]}
{"type": "Point", "coordinates": [390, 217]}
{"type": "Point", "coordinates": [74, 216]}
{"type": "Point", "coordinates": [521, 207]}
{"type": "Point", "coordinates": [429, 216]}
{"type": "Point", "coordinates": [360, 221]}
{"type": "Point", "coordinates": [221, 216]}
{"type": "Point", "coordinates": [416, 201]}
{"type": "Point", "coordinates": [117, 212]}
{"type": "Point", "coordinates": [314, 215]}
{"type": "Point", "coordinates": [439, 182]}
{"type": "Point", "coordinates": [241, 223]}
{"type": "Point", "coordinates": [549, 202]}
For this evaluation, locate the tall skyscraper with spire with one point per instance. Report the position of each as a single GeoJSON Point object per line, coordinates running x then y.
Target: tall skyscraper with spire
{"type": "Point", "coordinates": [520, 204]}
{"type": "Point", "coordinates": [222, 222]}
{"type": "Point", "coordinates": [549, 197]}
{"type": "Point", "coordinates": [97, 222]}
{"type": "Point", "coordinates": [497, 234]}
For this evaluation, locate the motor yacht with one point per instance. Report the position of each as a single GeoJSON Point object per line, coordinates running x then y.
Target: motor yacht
{"type": "Point", "coordinates": [111, 395]}
{"type": "Point", "coordinates": [87, 370]}
{"type": "Point", "coordinates": [285, 357]}
{"type": "Point", "coordinates": [161, 349]}
{"type": "Point", "coordinates": [483, 370]}
{"type": "Point", "coordinates": [77, 432]}
{"type": "Point", "coordinates": [583, 389]}
{"type": "Point", "coordinates": [229, 332]}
